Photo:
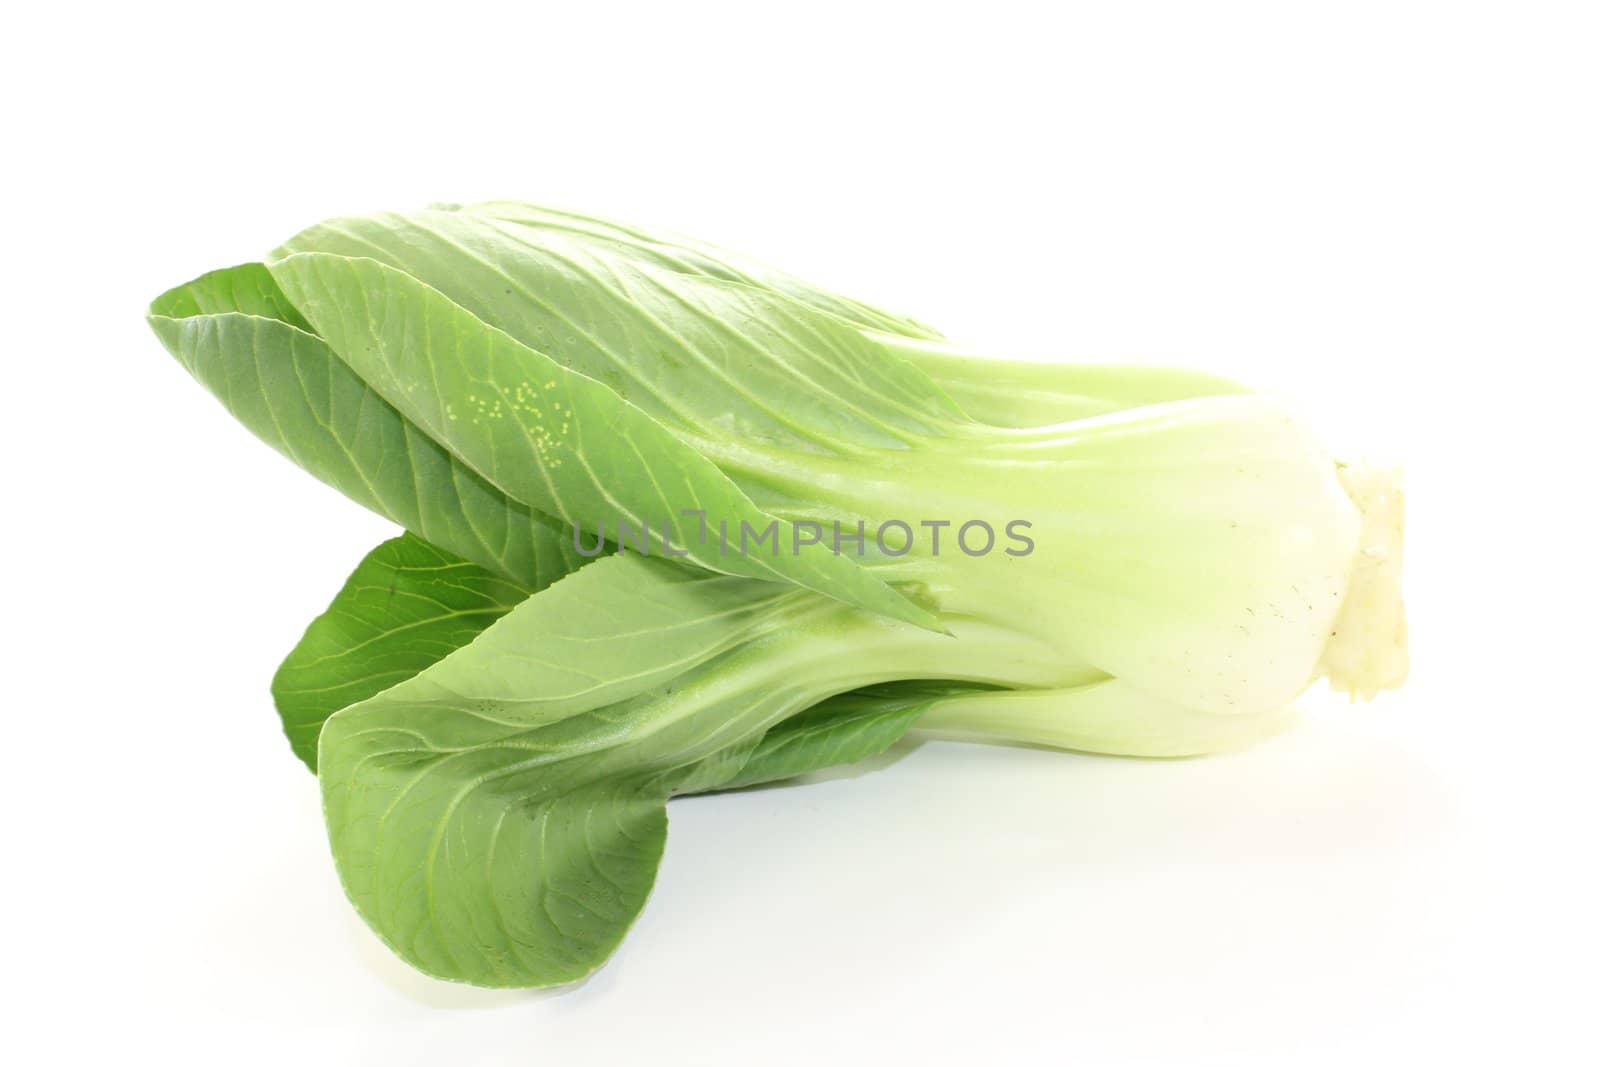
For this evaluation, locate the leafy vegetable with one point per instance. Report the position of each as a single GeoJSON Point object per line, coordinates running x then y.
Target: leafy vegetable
{"type": "Point", "coordinates": [1007, 392]}
{"type": "Point", "coordinates": [406, 607]}
{"type": "Point", "coordinates": [408, 604]}
{"type": "Point", "coordinates": [683, 255]}
{"type": "Point", "coordinates": [541, 432]}
{"type": "Point", "coordinates": [820, 525]}
{"type": "Point", "coordinates": [239, 336]}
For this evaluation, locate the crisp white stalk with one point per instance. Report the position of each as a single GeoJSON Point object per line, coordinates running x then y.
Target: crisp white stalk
{"type": "Point", "coordinates": [1207, 554]}
{"type": "Point", "coordinates": [1108, 716]}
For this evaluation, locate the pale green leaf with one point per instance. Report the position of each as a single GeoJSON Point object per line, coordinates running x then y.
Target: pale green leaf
{"type": "Point", "coordinates": [842, 729]}
{"type": "Point", "coordinates": [684, 255]}
{"type": "Point", "coordinates": [236, 333]}
{"type": "Point", "coordinates": [409, 604]}
{"type": "Point", "coordinates": [996, 391]}
{"type": "Point", "coordinates": [546, 434]}
{"type": "Point", "coordinates": [499, 817]}
{"type": "Point", "coordinates": [744, 373]}
{"type": "Point", "coordinates": [404, 608]}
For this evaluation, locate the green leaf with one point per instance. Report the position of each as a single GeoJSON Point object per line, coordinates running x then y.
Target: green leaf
{"type": "Point", "coordinates": [839, 730]}
{"type": "Point", "coordinates": [684, 255]}
{"type": "Point", "coordinates": [746, 374]}
{"type": "Point", "coordinates": [499, 817]}
{"type": "Point", "coordinates": [409, 604]}
{"type": "Point", "coordinates": [247, 289]}
{"type": "Point", "coordinates": [999, 392]}
{"type": "Point", "coordinates": [404, 608]}
{"type": "Point", "coordinates": [548, 435]}
{"type": "Point", "coordinates": [239, 336]}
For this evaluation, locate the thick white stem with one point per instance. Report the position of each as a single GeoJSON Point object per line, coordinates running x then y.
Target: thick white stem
{"type": "Point", "coordinates": [1366, 652]}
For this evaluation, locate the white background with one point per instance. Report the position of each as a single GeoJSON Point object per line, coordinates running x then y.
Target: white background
{"type": "Point", "coordinates": [1385, 214]}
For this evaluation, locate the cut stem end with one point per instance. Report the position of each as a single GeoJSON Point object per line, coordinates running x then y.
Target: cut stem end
{"type": "Point", "coordinates": [1366, 651]}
